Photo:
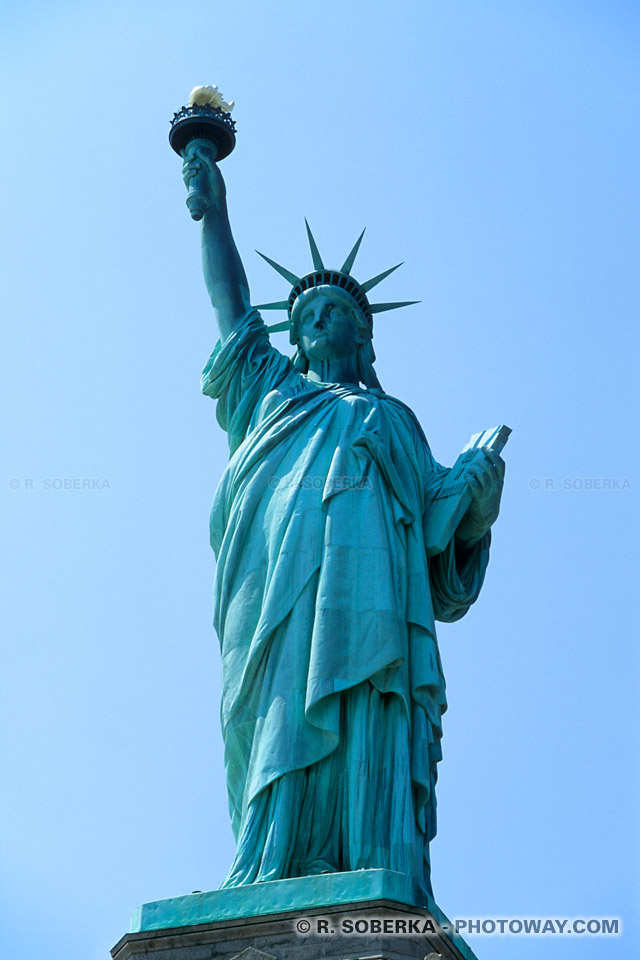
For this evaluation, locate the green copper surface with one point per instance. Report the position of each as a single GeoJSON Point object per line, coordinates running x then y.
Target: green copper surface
{"type": "Point", "coordinates": [304, 894]}
{"type": "Point", "coordinates": [351, 257]}
{"type": "Point", "coordinates": [325, 598]}
{"type": "Point", "coordinates": [280, 896]}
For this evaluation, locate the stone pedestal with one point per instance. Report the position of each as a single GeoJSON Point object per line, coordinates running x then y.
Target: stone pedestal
{"type": "Point", "coordinates": [364, 915]}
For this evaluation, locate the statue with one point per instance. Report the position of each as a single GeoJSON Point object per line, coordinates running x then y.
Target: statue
{"type": "Point", "coordinates": [325, 596]}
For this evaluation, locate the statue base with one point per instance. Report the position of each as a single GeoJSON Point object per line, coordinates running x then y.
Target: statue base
{"type": "Point", "coordinates": [372, 914]}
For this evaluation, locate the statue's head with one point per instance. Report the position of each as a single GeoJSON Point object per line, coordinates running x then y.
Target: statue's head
{"type": "Point", "coordinates": [330, 316]}
{"type": "Point", "coordinates": [327, 323]}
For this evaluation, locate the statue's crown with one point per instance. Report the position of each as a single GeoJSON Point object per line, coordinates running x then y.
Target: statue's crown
{"type": "Point", "coordinates": [322, 276]}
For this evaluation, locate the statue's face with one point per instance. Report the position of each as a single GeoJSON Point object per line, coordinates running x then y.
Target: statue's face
{"type": "Point", "coordinates": [329, 329]}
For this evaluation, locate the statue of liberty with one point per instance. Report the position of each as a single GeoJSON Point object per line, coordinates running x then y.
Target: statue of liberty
{"type": "Point", "coordinates": [325, 594]}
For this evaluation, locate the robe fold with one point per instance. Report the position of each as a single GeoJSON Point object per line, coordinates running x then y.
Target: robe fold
{"type": "Point", "coordinates": [324, 604]}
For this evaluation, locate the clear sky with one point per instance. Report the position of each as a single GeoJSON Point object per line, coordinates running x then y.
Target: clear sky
{"type": "Point", "coordinates": [494, 148]}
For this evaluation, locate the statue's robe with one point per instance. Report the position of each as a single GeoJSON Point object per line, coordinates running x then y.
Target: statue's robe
{"type": "Point", "coordinates": [325, 606]}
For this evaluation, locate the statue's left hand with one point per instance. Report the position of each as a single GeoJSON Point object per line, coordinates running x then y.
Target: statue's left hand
{"type": "Point", "coordinates": [486, 479]}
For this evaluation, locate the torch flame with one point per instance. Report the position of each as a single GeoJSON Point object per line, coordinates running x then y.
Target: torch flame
{"type": "Point", "coordinates": [209, 97]}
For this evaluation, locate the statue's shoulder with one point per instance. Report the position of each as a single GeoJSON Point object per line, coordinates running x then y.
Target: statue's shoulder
{"type": "Point", "coordinates": [400, 409]}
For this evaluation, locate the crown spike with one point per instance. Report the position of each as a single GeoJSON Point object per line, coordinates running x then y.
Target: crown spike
{"type": "Point", "coordinates": [380, 307]}
{"type": "Point", "coordinates": [291, 277]}
{"type": "Point", "coordinates": [347, 265]}
{"type": "Point", "coordinates": [315, 253]}
{"type": "Point", "coordinates": [277, 327]}
{"type": "Point", "coordinates": [276, 305]}
{"type": "Point", "coordinates": [370, 284]}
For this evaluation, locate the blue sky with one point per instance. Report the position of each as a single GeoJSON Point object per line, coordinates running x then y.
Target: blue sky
{"type": "Point", "coordinates": [492, 147]}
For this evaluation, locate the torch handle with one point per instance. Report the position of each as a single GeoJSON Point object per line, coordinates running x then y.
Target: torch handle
{"type": "Point", "coordinates": [197, 196]}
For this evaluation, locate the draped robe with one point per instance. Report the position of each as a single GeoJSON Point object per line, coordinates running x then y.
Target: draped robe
{"type": "Point", "coordinates": [324, 605]}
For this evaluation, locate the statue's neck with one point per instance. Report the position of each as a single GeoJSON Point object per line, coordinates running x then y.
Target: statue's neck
{"type": "Point", "coordinates": [344, 370]}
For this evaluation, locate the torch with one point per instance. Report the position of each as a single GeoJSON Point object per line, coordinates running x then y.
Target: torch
{"type": "Point", "coordinates": [205, 122]}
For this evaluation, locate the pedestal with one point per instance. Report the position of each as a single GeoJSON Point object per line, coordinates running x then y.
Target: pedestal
{"type": "Point", "coordinates": [364, 915]}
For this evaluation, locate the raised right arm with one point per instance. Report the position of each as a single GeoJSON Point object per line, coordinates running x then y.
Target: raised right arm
{"type": "Point", "coordinates": [224, 273]}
